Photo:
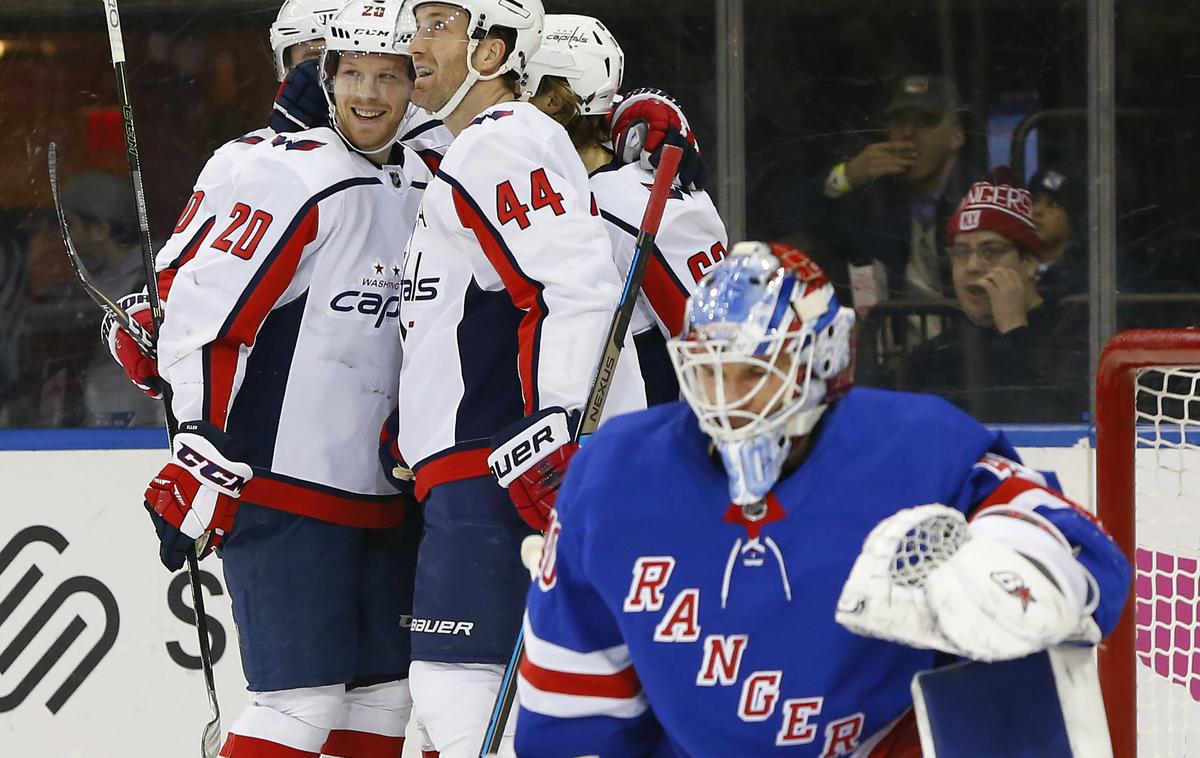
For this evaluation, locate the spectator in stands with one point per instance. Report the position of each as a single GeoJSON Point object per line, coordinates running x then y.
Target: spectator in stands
{"type": "Point", "coordinates": [69, 379]}
{"type": "Point", "coordinates": [890, 202]}
{"type": "Point", "coordinates": [1060, 215]}
{"type": "Point", "coordinates": [1012, 356]}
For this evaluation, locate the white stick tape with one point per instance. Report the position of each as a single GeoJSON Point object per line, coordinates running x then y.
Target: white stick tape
{"type": "Point", "coordinates": [113, 18]}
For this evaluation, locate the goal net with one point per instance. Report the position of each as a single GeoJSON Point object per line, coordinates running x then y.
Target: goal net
{"type": "Point", "coordinates": [1148, 495]}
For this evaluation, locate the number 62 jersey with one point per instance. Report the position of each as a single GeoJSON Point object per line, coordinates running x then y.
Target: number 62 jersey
{"type": "Point", "coordinates": [282, 288]}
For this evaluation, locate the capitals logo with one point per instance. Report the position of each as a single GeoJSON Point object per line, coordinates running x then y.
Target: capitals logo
{"type": "Point", "coordinates": [378, 296]}
{"type": "Point", "coordinates": [1012, 583]}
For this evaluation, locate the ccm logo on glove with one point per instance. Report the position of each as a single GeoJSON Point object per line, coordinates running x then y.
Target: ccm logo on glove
{"type": "Point", "coordinates": [220, 477]}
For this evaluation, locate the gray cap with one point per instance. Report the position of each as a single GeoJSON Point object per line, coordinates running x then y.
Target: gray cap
{"type": "Point", "coordinates": [100, 194]}
{"type": "Point", "coordinates": [933, 94]}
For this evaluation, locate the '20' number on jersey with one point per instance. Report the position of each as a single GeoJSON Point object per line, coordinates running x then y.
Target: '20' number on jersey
{"type": "Point", "coordinates": [541, 195]}
{"type": "Point", "coordinates": [244, 248]}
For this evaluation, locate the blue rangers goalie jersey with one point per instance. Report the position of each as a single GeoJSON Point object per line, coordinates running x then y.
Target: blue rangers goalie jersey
{"type": "Point", "coordinates": [662, 622]}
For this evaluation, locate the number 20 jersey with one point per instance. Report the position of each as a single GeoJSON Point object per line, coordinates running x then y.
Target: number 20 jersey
{"type": "Point", "coordinates": [282, 288]}
{"type": "Point", "coordinates": [513, 288]}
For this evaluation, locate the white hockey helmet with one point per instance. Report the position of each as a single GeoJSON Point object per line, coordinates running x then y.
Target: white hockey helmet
{"type": "Point", "coordinates": [299, 21]}
{"type": "Point", "coordinates": [584, 52]}
{"type": "Point", "coordinates": [769, 307]}
{"type": "Point", "coordinates": [525, 17]}
{"type": "Point", "coordinates": [363, 27]}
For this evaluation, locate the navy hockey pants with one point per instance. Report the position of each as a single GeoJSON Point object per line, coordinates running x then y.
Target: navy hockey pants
{"type": "Point", "coordinates": [318, 603]}
{"type": "Point", "coordinates": [471, 585]}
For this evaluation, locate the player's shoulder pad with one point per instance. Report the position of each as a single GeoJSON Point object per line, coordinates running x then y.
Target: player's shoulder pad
{"type": "Point", "coordinates": [642, 440]}
{"type": "Point", "coordinates": [924, 429]}
{"type": "Point", "coordinates": [622, 191]}
{"type": "Point", "coordinates": [504, 135]}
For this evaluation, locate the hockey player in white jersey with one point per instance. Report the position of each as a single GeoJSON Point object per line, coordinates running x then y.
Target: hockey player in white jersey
{"type": "Point", "coordinates": [699, 591]}
{"type": "Point", "coordinates": [574, 77]}
{"type": "Point", "coordinates": [514, 290]}
{"type": "Point", "coordinates": [282, 286]}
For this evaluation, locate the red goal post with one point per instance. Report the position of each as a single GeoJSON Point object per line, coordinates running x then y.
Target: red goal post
{"type": "Point", "coordinates": [1147, 430]}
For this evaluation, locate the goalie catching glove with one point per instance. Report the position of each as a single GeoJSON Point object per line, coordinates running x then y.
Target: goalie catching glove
{"type": "Point", "coordinates": [196, 493]}
{"type": "Point", "coordinates": [529, 458]}
{"type": "Point", "coordinates": [139, 367]}
{"type": "Point", "coordinates": [927, 579]}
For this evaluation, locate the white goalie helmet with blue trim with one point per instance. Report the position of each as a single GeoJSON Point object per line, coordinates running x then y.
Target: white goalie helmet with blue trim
{"type": "Point", "coordinates": [766, 347]}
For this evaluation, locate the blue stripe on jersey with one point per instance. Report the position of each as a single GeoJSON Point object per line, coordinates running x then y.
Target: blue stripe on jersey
{"type": "Point", "coordinates": [427, 126]}
{"type": "Point", "coordinates": [254, 417]}
{"type": "Point", "coordinates": [286, 237]}
{"type": "Point", "coordinates": [535, 346]}
{"type": "Point", "coordinates": [488, 350]}
{"type": "Point", "coordinates": [658, 256]}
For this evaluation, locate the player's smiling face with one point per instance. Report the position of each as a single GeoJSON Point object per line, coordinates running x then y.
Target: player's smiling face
{"type": "Point", "coordinates": [371, 92]}
{"type": "Point", "coordinates": [439, 54]}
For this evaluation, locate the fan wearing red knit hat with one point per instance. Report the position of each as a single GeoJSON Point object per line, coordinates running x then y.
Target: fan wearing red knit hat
{"type": "Point", "coordinates": [1011, 357]}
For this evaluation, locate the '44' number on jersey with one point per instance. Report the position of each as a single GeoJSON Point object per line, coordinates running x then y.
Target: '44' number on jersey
{"type": "Point", "coordinates": [541, 195]}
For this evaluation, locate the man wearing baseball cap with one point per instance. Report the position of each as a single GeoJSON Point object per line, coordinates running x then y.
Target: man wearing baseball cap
{"type": "Point", "coordinates": [1012, 356]}
{"type": "Point", "coordinates": [888, 204]}
{"type": "Point", "coordinates": [1058, 213]}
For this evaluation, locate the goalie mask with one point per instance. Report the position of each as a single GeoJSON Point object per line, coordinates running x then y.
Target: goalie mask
{"type": "Point", "coordinates": [765, 348]}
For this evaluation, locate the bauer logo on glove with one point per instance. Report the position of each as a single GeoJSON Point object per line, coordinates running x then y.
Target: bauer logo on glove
{"type": "Point", "coordinates": [530, 459]}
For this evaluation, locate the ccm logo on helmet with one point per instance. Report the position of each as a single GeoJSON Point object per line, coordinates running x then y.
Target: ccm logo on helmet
{"type": "Point", "coordinates": [368, 304]}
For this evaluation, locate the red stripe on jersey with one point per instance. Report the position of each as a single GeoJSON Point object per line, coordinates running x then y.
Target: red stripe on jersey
{"type": "Point", "coordinates": [254, 306]}
{"type": "Point", "coordinates": [666, 296]}
{"type": "Point", "coordinates": [237, 746]}
{"type": "Point", "coordinates": [1013, 486]}
{"type": "Point", "coordinates": [466, 464]}
{"type": "Point", "coordinates": [525, 294]}
{"type": "Point", "coordinates": [623, 684]}
{"type": "Point", "coordinates": [902, 741]}
{"type": "Point", "coordinates": [362, 744]}
{"type": "Point", "coordinates": [166, 277]}
{"type": "Point", "coordinates": [324, 506]}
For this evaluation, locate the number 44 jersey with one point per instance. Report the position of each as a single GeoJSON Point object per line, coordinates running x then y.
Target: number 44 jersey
{"type": "Point", "coordinates": [282, 288]}
{"type": "Point", "coordinates": [513, 289]}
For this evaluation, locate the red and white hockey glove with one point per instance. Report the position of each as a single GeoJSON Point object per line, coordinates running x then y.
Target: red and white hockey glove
{"type": "Point", "coordinates": [530, 459]}
{"type": "Point", "coordinates": [643, 122]}
{"type": "Point", "coordinates": [141, 369]}
{"type": "Point", "coordinates": [195, 493]}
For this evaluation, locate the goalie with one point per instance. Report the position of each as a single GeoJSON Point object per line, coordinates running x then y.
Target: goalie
{"type": "Point", "coordinates": [771, 566]}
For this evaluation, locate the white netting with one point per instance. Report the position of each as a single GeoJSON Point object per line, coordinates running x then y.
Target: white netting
{"type": "Point", "coordinates": [1167, 486]}
{"type": "Point", "coordinates": [926, 546]}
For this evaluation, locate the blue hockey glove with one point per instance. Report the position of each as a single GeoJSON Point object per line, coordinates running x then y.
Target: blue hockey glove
{"type": "Point", "coordinates": [394, 467]}
{"type": "Point", "coordinates": [300, 103]}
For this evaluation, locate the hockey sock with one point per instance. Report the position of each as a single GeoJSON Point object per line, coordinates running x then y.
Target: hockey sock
{"type": "Point", "coordinates": [285, 723]}
{"type": "Point", "coordinates": [371, 723]}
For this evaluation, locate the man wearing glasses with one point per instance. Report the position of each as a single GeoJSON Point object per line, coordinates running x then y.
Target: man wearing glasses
{"type": "Point", "coordinates": [1011, 356]}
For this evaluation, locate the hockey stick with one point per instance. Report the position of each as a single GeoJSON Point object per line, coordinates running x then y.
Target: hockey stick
{"type": "Point", "coordinates": [597, 395]}
{"type": "Point", "coordinates": [144, 339]}
{"type": "Point", "coordinates": [210, 740]}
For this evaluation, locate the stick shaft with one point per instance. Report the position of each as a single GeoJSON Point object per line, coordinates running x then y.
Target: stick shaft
{"type": "Point", "coordinates": [597, 395]}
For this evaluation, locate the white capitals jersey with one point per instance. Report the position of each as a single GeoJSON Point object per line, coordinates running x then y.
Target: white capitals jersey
{"type": "Point", "coordinates": [691, 239]}
{"type": "Point", "coordinates": [513, 287]}
{"type": "Point", "coordinates": [283, 285]}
